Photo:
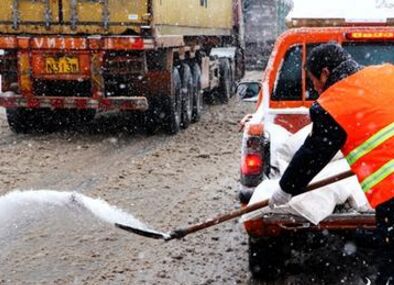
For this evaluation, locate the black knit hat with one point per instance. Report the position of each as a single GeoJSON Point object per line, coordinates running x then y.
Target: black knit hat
{"type": "Point", "coordinates": [329, 55]}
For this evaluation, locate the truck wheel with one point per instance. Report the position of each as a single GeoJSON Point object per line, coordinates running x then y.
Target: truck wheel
{"type": "Point", "coordinates": [19, 120]}
{"type": "Point", "coordinates": [85, 116]}
{"type": "Point", "coordinates": [23, 121]}
{"type": "Point", "coordinates": [187, 96]}
{"type": "Point", "coordinates": [224, 89]}
{"type": "Point", "coordinates": [233, 82]}
{"type": "Point", "coordinates": [73, 117]}
{"type": "Point", "coordinates": [173, 105]}
{"type": "Point", "coordinates": [198, 100]}
{"type": "Point", "coordinates": [266, 260]}
{"type": "Point", "coordinates": [150, 118]}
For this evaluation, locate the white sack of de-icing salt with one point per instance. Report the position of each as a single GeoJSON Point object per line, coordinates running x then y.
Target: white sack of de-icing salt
{"type": "Point", "coordinates": [318, 204]}
{"type": "Point", "coordinates": [315, 205]}
{"type": "Point", "coordinates": [278, 135]}
{"type": "Point", "coordinates": [286, 150]}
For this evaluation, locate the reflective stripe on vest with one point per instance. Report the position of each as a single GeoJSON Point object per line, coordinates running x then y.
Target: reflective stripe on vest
{"type": "Point", "coordinates": [362, 104]}
{"type": "Point", "coordinates": [365, 148]}
{"type": "Point", "coordinates": [378, 176]}
{"type": "Point", "coordinates": [373, 142]}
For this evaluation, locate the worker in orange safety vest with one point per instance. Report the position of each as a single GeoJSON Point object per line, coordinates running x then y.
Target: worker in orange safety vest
{"type": "Point", "coordinates": [355, 114]}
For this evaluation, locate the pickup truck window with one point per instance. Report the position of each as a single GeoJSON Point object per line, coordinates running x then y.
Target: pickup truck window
{"type": "Point", "coordinates": [364, 53]}
{"type": "Point", "coordinates": [288, 85]}
{"type": "Point", "coordinates": [311, 93]}
{"type": "Point", "coordinates": [371, 53]}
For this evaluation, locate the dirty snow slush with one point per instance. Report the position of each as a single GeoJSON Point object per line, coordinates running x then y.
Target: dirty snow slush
{"type": "Point", "coordinates": [46, 238]}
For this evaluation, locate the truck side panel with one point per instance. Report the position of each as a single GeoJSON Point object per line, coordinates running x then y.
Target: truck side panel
{"type": "Point", "coordinates": [73, 16]}
{"type": "Point", "coordinates": [203, 17]}
{"type": "Point", "coordinates": [28, 16]}
{"type": "Point", "coordinates": [115, 17]}
{"type": "Point", "coordinates": [189, 18]}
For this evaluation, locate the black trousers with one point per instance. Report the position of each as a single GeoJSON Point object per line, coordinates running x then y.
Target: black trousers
{"type": "Point", "coordinates": [385, 238]}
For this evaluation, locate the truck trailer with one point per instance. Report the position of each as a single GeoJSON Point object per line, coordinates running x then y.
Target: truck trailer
{"type": "Point", "coordinates": [71, 58]}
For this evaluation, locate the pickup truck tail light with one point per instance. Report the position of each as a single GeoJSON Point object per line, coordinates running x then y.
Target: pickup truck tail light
{"type": "Point", "coordinates": [252, 164]}
{"type": "Point", "coordinates": [253, 156]}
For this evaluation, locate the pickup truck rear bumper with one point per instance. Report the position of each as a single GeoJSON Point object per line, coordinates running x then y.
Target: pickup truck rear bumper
{"type": "Point", "coordinates": [272, 225]}
{"type": "Point", "coordinates": [12, 100]}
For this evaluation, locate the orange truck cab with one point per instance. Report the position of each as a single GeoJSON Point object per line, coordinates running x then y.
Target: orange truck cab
{"type": "Point", "coordinates": [285, 97]}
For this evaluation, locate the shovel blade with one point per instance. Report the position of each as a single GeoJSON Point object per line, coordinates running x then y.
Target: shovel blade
{"type": "Point", "coordinates": [143, 232]}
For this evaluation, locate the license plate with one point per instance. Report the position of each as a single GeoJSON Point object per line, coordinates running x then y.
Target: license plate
{"type": "Point", "coordinates": [62, 65]}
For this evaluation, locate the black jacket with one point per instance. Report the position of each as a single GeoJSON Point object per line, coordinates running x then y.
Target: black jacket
{"type": "Point", "coordinates": [321, 145]}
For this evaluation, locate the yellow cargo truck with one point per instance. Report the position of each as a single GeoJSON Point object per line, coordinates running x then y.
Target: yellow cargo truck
{"type": "Point", "coordinates": [67, 59]}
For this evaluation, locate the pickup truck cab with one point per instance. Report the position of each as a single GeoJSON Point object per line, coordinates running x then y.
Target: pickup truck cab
{"type": "Point", "coordinates": [285, 97]}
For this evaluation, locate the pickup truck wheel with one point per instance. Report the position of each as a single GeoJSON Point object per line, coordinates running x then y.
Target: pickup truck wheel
{"type": "Point", "coordinates": [187, 96]}
{"type": "Point", "coordinates": [198, 100]}
{"type": "Point", "coordinates": [266, 261]}
{"type": "Point", "coordinates": [224, 89]}
{"type": "Point", "coordinates": [173, 105]}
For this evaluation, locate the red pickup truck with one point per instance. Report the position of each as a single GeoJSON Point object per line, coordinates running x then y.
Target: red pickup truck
{"type": "Point", "coordinates": [285, 89]}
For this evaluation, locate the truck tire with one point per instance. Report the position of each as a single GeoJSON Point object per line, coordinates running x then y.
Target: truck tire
{"type": "Point", "coordinates": [73, 117]}
{"type": "Point", "coordinates": [233, 81]}
{"type": "Point", "coordinates": [150, 118]}
{"type": "Point", "coordinates": [23, 121]}
{"type": "Point", "coordinates": [198, 100]}
{"type": "Point", "coordinates": [86, 116]}
{"type": "Point", "coordinates": [187, 96]}
{"type": "Point", "coordinates": [18, 120]}
{"type": "Point", "coordinates": [173, 105]}
{"type": "Point", "coordinates": [266, 259]}
{"type": "Point", "coordinates": [224, 90]}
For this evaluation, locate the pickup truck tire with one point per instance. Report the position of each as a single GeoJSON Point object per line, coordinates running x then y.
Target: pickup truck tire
{"type": "Point", "coordinates": [266, 259]}
{"type": "Point", "coordinates": [173, 105]}
{"type": "Point", "coordinates": [198, 100]}
{"type": "Point", "coordinates": [224, 90]}
{"type": "Point", "coordinates": [187, 96]}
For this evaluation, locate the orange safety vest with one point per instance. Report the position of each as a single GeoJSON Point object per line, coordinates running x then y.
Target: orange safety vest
{"type": "Point", "coordinates": [363, 105]}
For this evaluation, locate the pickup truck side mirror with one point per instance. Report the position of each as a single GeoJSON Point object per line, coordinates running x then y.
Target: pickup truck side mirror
{"type": "Point", "coordinates": [249, 90]}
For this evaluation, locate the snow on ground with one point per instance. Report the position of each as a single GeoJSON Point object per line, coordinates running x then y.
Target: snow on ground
{"type": "Point", "coordinates": [167, 181]}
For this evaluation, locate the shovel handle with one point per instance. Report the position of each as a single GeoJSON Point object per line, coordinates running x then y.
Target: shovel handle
{"type": "Point", "coordinates": [180, 233]}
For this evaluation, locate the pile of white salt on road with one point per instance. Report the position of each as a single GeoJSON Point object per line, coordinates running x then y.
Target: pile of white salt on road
{"type": "Point", "coordinates": [17, 202]}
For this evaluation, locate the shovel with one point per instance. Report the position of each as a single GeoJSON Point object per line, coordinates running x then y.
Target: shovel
{"type": "Point", "coordinates": [182, 232]}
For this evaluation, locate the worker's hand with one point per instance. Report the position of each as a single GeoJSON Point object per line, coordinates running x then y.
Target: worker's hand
{"type": "Point", "coordinates": [279, 197]}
